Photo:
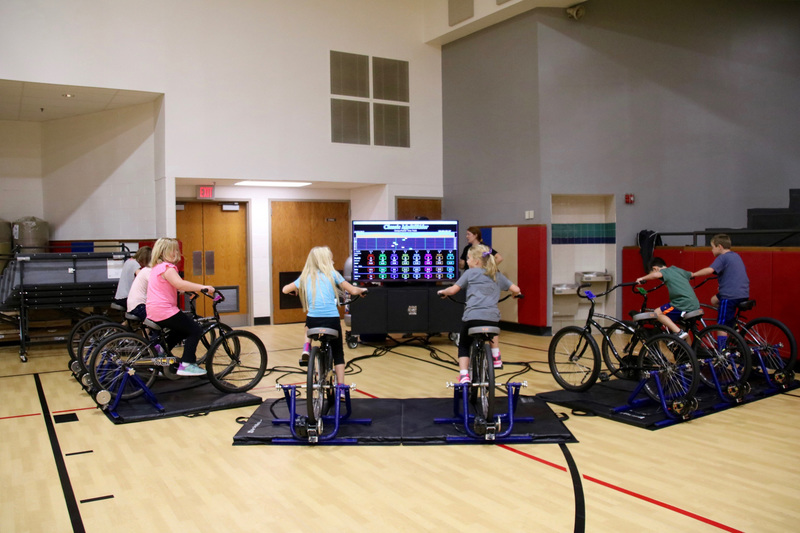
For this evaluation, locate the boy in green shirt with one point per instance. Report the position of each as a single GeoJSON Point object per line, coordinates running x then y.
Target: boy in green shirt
{"type": "Point", "coordinates": [681, 294]}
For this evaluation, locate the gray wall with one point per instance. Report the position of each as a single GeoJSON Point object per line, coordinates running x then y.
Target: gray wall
{"type": "Point", "coordinates": [689, 104]}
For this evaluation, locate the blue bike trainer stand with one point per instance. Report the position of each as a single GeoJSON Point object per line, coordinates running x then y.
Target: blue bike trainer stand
{"type": "Point", "coordinates": [671, 414]}
{"type": "Point", "coordinates": [303, 434]}
{"type": "Point", "coordinates": [484, 430]}
{"type": "Point", "coordinates": [129, 374]}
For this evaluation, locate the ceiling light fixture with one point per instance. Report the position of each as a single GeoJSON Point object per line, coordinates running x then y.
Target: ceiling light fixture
{"type": "Point", "coordinates": [255, 183]}
{"type": "Point", "coordinates": [68, 95]}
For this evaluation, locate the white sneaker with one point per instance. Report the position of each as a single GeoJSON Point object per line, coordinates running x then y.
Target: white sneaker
{"type": "Point", "coordinates": [190, 369]}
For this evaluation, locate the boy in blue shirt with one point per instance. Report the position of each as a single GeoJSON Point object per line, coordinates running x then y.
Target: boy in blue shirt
{"type": "Point", "coordinates": [734, 285]}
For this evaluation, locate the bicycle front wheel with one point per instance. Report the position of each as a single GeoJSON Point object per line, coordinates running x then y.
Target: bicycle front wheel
{"type": "Point", "coordinates": [211, 334]}
{"type": "Point", "coordinates": [236, 361]}
{"type": "Point", "coordinates": [669, 362]}
{"type": "Point", "coordinates": [574, 359]}
{"type": "Point", "coordinates": [774, 348]}
{"type": "Point", "coordinates": [483, 380]}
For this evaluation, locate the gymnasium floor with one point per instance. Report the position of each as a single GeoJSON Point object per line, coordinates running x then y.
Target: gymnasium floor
{"type": "Point", "coordinates": [736, 470]}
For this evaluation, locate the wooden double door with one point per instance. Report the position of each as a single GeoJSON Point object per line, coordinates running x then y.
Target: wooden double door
{"type": "Point", "coordinates": [296, 228]}
{"type": "Point", "coordinates": [215, 253]}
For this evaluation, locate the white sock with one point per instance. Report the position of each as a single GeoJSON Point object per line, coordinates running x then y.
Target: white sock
{"type": "Point", "coordinates": [495, 352]}
{"type": "Point", "coordinates": [463, 372]}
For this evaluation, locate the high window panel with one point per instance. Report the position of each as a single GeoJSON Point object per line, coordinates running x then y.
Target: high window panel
{"type": "Point", "coordinates": [392, 125]}
{"type": "Point", "coordinates": [349, 121]}
{"type": "Point", "coordinates": [364, 114]}
{"type": "Point", "coordinates": [349, 74]}
{"type": "Point", "coordinates": [389, 79]}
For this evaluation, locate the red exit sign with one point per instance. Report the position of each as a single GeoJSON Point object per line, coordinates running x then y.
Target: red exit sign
{"type": "Point", "coordinates": [205, 192]}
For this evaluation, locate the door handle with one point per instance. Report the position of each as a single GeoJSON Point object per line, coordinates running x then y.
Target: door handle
{"type": "Point", "coordinates": [197, 263]}
{"type": "Point", "coordinates": [210, 263]}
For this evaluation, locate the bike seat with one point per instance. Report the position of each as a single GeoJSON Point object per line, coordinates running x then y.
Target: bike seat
{"type": "Point", "coordinates": [152, 325]}
{"type": "Point", "coordinates": [487, 330]}
{"type": "Point", "coordinates": [132, 317]}
{"type": "Point", "coordinates": [117, 307]}
{"type": "Point", "coordinates": [697, 313]}
{"type": "Point", "coordinates": [323, 331]}
{"type": "Point", "coordinates": [746, 305]}
{"type": "Point", "coordinates": [649, 315]}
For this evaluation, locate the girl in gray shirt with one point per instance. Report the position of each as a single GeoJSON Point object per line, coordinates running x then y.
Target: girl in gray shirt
{"type": "Point", "coordinates": [483, 284]}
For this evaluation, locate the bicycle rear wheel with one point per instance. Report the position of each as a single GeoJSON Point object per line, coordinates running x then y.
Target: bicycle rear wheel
{"type": "Point", "coordinates": [118, 355]}
{"type": "Point", "coordinates": [315, 386]}
{"type": "Point", "coordinates": [92, 340]}
{"type": "Point", "coordinates": [79, 330]}
{"type": "Point", "coordinates": [621, 346]}
{"type": "Point", "coordinates": [674, 364]}
{"type": "Point", "coordinates": [774, 348]}
{"type": "Point", "coordinates": [723, 353]}
{"type": "Point", "coordinates": [236, 361]}
{"type": "Point", "coordinates": [574, 359]}
{"type": "Point", "coordinates": [483, 380]}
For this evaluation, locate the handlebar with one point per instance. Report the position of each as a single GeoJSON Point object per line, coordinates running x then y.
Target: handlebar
{"type": "Point", "coordinates": [504, 298]}
{"type": "Point", "coordinates": [695, 287]}
{"type": "Point", "coordinates": [589, 295]}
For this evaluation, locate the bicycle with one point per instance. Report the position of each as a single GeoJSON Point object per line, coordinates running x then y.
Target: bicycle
{"type": "Point", "coordinates": [481, 366]}
{"type": "Point", "coordinates": [769, 340]}
{"type": "Point", "coordinates": [724, 366]}
{"type": "Point", "coordinates": [665, 366]}
{"type": "Point", "coordinates": [125, 365]}
{"type": "Point", "coordinates": [103, 329]}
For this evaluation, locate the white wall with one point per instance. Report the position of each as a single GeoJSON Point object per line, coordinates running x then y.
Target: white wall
{"type": "Point", "coordinates": [20, 170]}
{"type": "Point", "coordinates": [97, 173]}
{"type": "Point", "coordinates": [246, 82]}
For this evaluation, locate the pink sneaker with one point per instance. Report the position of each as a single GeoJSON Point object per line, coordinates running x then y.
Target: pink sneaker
{"type": "Point", "coordinates": [498, 363]}
{"type": "Point", "coordinates": [464, 378]}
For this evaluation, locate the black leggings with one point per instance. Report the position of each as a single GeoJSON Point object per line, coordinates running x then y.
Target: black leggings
{"type": "Point", "coordinates": [464, 340]}
{"type": "Point", "coordinates": [182, 327]}
{"type": "Point", "coordinates": [337, 346]}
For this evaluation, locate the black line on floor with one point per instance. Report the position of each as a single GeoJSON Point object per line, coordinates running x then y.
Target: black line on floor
{"type": "Point", "coordinates": [580, 502]}
{"type": "Point", "coordinates": [63, 475]}
{"type": "Point", "coordinates": [78, 453]}
{"type": "Point", "coordinates": [90, 500]}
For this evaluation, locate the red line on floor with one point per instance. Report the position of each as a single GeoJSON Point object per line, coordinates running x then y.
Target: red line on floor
{"type": "Point", "coordinates": [629, 492]}
{"type": "Point", "coordinates": [664, 505]}
{"type": "Point", "coordinates": [366, 394]}
{"type": "Point", "coordinates": [19, 416]}
{"type": "Point", "coordinates": [73, 410]}
{"type": "Point", "coordinates": [529, 456]}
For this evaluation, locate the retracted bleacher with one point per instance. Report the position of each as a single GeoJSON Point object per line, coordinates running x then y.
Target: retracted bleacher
{"type": "Point", "coordinates": [67, 282]}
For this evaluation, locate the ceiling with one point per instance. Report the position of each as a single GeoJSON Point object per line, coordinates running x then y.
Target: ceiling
{"type": "Point", "coordinates": [39, 102]}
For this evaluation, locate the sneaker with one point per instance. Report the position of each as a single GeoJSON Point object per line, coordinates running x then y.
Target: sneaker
{"type": "Point", "coordinates": [304, 359]}
{"type": "Point", "coordinates": [498, 363]}
{"type": "Point", "coordinates": [683, 335]}
{"type": "Point", "coordinates": [464, 378]}
{"type": "Point", "coordinates": [190, 369]}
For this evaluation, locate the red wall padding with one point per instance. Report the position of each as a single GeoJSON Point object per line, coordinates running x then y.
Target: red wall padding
{"type": "Point", "coordinates": [532, 272]}
{"type": "Point", "coordinates": [771, 272]}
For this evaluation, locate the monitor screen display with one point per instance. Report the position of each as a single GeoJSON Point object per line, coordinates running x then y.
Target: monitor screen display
{"type": "Point", "coordinates": [405, 250]}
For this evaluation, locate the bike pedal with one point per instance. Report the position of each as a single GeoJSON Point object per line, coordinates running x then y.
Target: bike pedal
{"type": "Point", "coordinates": [164, 361]}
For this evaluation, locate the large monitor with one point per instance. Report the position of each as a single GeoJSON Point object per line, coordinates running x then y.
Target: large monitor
{"type": "Point", "coordinates": [397, 251]}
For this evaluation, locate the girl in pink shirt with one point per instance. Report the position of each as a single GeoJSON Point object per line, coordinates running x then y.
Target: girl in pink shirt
{"type": "Point", "coordinates": [162, 303]}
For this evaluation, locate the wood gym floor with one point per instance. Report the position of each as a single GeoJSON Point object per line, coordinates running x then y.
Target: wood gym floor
{"type": "Point", "coordinates": [736, 470]}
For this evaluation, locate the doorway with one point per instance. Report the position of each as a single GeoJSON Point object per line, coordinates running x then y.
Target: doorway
{"type": "Point", "coordinates": [418, 208]}
{"type": "Point", "coordinates": [296, 228]}
{"type": "Point", "coordinates": [214, 239]}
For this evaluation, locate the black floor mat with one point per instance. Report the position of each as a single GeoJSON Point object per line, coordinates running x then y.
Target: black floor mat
{"type": "Point", "coordinates": [610, 400]}
{"type": "Point", "coordinates": [404, 421]}
{"type": "Point", "coordinates": [186, 396]}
